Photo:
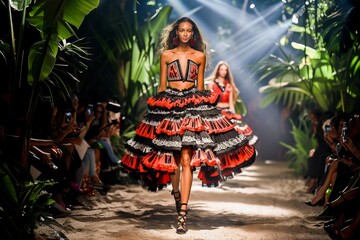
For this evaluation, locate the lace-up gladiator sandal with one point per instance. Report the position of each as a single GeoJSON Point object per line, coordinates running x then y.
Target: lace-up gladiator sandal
{"type": "Point", "coordinates": [177, 198]}
{"type": "Point", "coordinates": [181, 224]}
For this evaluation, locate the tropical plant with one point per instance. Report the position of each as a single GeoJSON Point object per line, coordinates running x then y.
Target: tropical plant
{"type": "Point", "coordinates": [326, 76]}
{"type": "Point", "coordinates": [34, 51]}
{"type": "Point", "coordinates": [30, 59]}
{"type": "Point", "coordinates": [127, 63]}
{"type": "Point", "coordinates": [240, 107]}
{"type": "Point", "coordinates": [298, 152]}
{"type": "Point", "coordinates": [22, 204]}
{"type": "Point", "coordinates": [341, 33]}
{"type": "Point", "coordinates": [316, 67]}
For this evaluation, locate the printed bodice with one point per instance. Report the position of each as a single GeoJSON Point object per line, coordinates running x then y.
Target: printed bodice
{"type": "Point", "coordinates": [174, 72]}
{"type": "Point", "coordinates": [221, 90]}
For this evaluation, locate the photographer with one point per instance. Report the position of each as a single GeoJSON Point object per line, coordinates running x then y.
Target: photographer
{"type": "Point", "coordinates": [88, 170]}
{"type": "Point", "coordinates": [336, 176]}
{"type": "Point", "coordinates": [317, 156]}
{"type": "Point", "coordinates": [100, 131]}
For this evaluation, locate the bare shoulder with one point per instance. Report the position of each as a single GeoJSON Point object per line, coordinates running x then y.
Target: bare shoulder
{"type": "Point", "coordinates": [165, 55]}
{"type": "Point", "coordinates": [199, 56]}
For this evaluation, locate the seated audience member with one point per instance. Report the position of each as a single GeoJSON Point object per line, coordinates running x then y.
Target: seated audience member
{"type": "Point", "coordinates": [317, 156]}
{"type": "Point", "coordinates": [99, 134]}
{"type": "Point", "coordinates": [89, 168]}
{"type": "Point", "coordinates": [345, 223]}
{"type": "Point", "coordinates": [338, 172]}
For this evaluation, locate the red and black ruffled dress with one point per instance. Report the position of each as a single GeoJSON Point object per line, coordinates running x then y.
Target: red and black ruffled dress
{"type": "Point", "coordinates": [241, 126]}
{"type": "Point", "coordinates": [186, 118]}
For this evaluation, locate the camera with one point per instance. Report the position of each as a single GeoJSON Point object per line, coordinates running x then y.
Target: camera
{"type": "Point", "coordinates": [113, 107]}
{"type": "Point", "coordinates": [327, 128]}
{"type": "Point", "coordinates": [89, 109]}
{"type": "Point", "coordinates": [345, 133]}
{"type": "Point", "coordinates": [67, 116]}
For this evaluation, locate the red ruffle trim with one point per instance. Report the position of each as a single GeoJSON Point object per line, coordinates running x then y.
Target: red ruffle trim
{"type": "Point", "coordinates": [229, 115]}
{"type": "Point", "coordinates": [237, 158]}
{"type": "Point", "coordinates": [172, 128]}
{"type": "Point", "coordinates": [208, 157]}
{"type": "Point", "coordinates": [146, 130]}
{"type": "Point", "coordinates": [160, 162]}
{"type": "Point", "coordinates": [230, 165]}
{"type": "Point", "coordinates": [219, 126]}
{"type": "Point", "coordinates": [170, 103]}
{"type": "Point", "coordinates": [211, 177]}
{"type": "Point", "coordinates": [131, 162]}
{"type": "Point", "coordinates": [245, 130]}
{"type": "Point", "coordinates": [194, 125]}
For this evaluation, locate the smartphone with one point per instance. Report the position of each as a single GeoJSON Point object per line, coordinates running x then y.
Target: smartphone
{"type": "Point", "coordinates": [345, 133]}
{"type": "Point", "coordinates": [327, 128]}
{"type": "Point", "coordinates": [89, 109]}
{"type": "Point", "coordinates": [68, 116]}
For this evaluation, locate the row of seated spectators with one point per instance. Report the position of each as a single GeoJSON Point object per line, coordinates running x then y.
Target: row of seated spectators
{"type": "Point", "coordinates": [74, 146]}
{"type": "Point", "coordinates": [334, 173]}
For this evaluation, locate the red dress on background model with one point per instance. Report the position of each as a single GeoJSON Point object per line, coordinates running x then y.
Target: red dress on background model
{"type": "Point", "coordinates": [236, 118]}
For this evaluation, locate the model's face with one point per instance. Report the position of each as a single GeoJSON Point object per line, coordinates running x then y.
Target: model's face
{"type": "Point", "coordinates": [223, 70]}
{"type": "Point", "coordinates": [185, 31]}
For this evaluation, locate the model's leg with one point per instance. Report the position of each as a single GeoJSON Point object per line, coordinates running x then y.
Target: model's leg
{"type": "Point", "coordinates": [82, 170]}
{"type": "Point", "coordinates": [187, 174]}
{"type": "Point", "coordinates": [175, 182]}
{"type": "Point", "coordinates": [186, 182]}
{"type": "Point", "coordinates": [329, 179]}
{"type": "Point", "coordinates": [175, 178]}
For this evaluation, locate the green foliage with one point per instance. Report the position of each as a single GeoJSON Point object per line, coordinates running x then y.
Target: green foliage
{"type": "Point", "coordinates": [309, 83]}
{"type": "Point", "coordinates": [54, 19]}
{"type": "Point", "coordinates": [326, 74]}
{"type": "Point", "coordinates": [21, 204]}
{"type": "Point", "coordinates": [128, 60]}
{"type": "Point", "coordinates": [240, 107]}
{"type": "Point", "coordinates": [297, 154]}
{"type": "Point", "coordinates": [30, 62]}
{"type": "Point", "coordinates": [316, 66]}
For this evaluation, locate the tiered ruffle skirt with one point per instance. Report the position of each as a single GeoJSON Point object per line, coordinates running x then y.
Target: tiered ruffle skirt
{"type": "Point", "coordinates": [176, 119]}
{"type": "Point", "coordinates": [241, 126]}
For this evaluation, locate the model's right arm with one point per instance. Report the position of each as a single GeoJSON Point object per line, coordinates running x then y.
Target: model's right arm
{"type": "Point", "coordinates": [163, 68]}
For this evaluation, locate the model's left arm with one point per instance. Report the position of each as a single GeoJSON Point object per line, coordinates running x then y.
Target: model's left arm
{"type": "Point", "coordinates": [200, 78]}
{"type": "Point", "coordinates": [231, 97]}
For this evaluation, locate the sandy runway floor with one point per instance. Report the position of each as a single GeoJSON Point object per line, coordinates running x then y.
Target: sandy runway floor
{"type": "Point", "coordinates": [265, 202]}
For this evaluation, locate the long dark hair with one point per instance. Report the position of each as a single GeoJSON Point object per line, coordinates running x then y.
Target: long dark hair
{"type": "Point", "coordinates": [169, 33]}
{"type": "Point", "coordinates": [229, 77]}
